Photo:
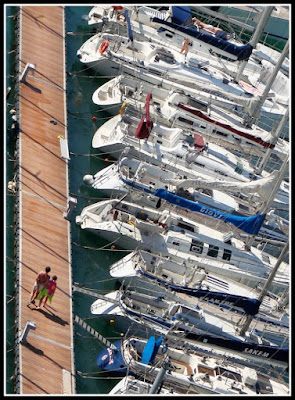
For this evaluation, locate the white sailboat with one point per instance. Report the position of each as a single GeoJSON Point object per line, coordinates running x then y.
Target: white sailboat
{"type": "Point", "coordinates": [166, 313]}
{"type": "Point", "coordinates": [177, 106]}
{"type": "Point", "coordinates": [187, 369]}
{"type": "Point", "coordinates": [110, 55]}
{"type": "Point", "coordinates": [129, 173]}
{"type": "Point", "coordinates": [152, 273]}
{"type": "Point", "coordinates": [203, 44]}
{"type": "Point", "coordinates": [131, 226]}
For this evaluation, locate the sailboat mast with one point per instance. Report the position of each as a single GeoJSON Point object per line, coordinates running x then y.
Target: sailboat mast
{"type": "Point", "coordinates": [266, 13]}
{"type": "Point", "coordinates": [264, 95]}
{"type": "Point", "coordinates": [266, 287]}
{"type": "Point", "coordinates": [271, 197]}
{"type": "Point", "coordinates": [276, 135]}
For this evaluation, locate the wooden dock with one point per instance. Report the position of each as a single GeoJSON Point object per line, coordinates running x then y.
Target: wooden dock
{"type": "Point", "coordinates": [45, 364]}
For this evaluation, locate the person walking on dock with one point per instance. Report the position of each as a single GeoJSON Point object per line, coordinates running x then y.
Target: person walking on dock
{"type": "Point", "coordinates": [47, 292]}
{"type": "Point", "coordinates": [42, 280]}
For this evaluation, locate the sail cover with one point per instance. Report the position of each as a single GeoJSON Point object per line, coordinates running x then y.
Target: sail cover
{"type": "Point", "coordinates": [246, 135]}
{"type": "Point", "coordinates": [130, 34]}
{"type": "Point", "coordinates": [146, 124]}
{"type": "Point", "coordinates": [262, 187]}
{"type": "Point", "coordinates": [220, 46]}
{"type": "Point", "coordinates": [249, 305]}
{"type": "Point", "coordinates": [249, 225]}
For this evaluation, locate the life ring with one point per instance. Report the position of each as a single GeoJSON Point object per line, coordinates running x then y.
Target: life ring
{"type": "Point", "coordinates": [103, 46]}
{"type": "Point", "coordinates": [121, 17]}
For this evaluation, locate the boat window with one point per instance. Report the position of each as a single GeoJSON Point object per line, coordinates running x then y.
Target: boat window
{"type": "Point", "coordinates": [220, 172]}
{"type": "Point", "coordinates": [187, 121]}
{"type": "Point", "coordinates": [212, 251]}
{"type": "Point", "coordinates": [197, 246]}
{"type": "Point", "coordinates": [200, 165]}
{"type": "Point", "coordinates": [242, 207]}
{"type": "Point", "coordinates": [141, 215]}
{"type": "Point", "coordinates": [208, 192]}
{"type": "Point", "coordinates": [239, 168]}
{"type": "Point", "coordinates": [252, 177]}
{"type": "Point", "coordinates": [221, 133]}
{"type": "Point", "coordinates": [226, 255]}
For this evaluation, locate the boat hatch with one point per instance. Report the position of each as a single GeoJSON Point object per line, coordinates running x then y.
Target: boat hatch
{"type": "Point", "coordinates": [186, 226]}
{"type": "Point", "coordinates": [228, 374]}
{"type": "Point", "coordinates": [197, 104]}
{"type": "Point", "coordinates": [197, 246]}
{"type": "Point", "coordinates": [263, 385]}
{"type": "Point", "coordinates": [202, 369]}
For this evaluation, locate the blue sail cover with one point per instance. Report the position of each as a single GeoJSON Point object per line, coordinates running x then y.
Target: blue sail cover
{"type": "Point", "coordinates": [148, 350]}
{"type": "Point", "coordinates": [130, 34]}
{"type": "Point", "coordinates": [241, 53]}
{"type": "Point", "coordinates": [248, 305]}
{"type": "Point", "coordinates": [249, 225]}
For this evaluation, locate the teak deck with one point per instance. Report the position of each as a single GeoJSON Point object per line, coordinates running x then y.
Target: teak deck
{"type": "Point", "coordinates": [45, 365]}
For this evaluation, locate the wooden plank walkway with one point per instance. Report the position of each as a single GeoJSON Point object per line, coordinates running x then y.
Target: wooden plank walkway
{"type": "Point", "coordinates": [45, 365]}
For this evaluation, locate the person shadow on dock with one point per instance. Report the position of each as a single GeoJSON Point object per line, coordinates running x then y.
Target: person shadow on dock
{"type": "Point", "coordinates": [50, 315]}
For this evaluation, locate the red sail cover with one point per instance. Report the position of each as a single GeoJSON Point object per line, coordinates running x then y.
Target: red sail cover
{"type": "Point", "coordinates": [226, 126]}
{"type": "Point", "coordinates": [146, 125]}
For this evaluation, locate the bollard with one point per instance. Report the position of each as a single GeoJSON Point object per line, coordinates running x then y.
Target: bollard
{"type": "Point", "coordinates": [29, 325]}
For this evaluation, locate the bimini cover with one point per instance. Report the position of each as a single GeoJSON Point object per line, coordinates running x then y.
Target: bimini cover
{"type": "Point", "coordinates": [181, 15]}
{"type": "Point", "coordinates": [221, 47]}
{"type": "Point", "coordinates": [249, 225]}
{"type": "Point", "coordinates": [148, 350]}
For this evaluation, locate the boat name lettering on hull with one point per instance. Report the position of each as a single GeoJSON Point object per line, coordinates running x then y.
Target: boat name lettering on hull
{"type": "Point", "coordinates": [254, 352]}
{"type": "Point", "coordinates": [210, 213]}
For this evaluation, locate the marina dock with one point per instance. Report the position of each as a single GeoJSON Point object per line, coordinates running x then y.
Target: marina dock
{"type": "Point", "coordinates": [45, 357]}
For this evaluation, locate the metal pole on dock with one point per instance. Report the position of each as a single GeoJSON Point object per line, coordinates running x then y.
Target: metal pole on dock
{"type": "Point", "coordinates": [160, 376]}
{"type": "Point", "coordinates": [265, 288]}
